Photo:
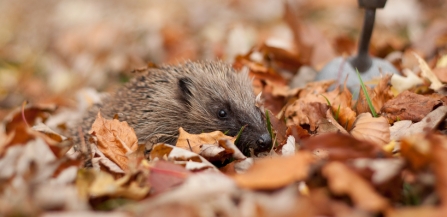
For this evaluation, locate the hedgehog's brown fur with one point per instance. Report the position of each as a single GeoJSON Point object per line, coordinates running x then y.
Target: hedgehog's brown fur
{"type": "Point", "coordinates": [159, 101]}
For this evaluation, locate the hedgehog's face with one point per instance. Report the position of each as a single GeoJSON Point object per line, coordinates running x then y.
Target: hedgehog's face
{"type": "Point", "coordinates": [232, 120]}
{"type": "Point", "coordinates": [227, 106]}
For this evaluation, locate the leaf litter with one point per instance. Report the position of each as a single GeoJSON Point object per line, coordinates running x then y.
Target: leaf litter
{"type": "Point", "coordinates": [331, 158]}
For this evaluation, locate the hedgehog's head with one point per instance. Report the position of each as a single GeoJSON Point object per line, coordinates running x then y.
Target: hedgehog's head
{"type": "Point", "coordinates": [218, 98]}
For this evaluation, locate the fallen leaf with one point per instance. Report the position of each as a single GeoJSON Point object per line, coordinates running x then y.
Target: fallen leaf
{"type": "Point", "coordinates": [334, 123]}
{"type": "Point", "coordinates": [272, 96]}
{"type": "Point", "coordinates": [383, 169]}
{"type": "Point", "coordinates": [343, 181]}
{"type": "Point", "coordinates": [237, 166]}
{"type": "Point", "coordinates": [409, 106]}
{"type": "Point", "coordinates": [165, 175]}
{"type": "Point", "coordinates": [346, 117]}
{"type": "Point", "coordinates": [279, 129]}
{"type": "Point", "coordinates": [379, 95]}
{"type": "Point", "coordinates": [214, 146]}
{"type": "Point", "coordinates": [427, 42]}
{"type": "Point", "coordinates": [200, 192]}
{"type": "Point", "coordinates": [276, 172]}
{"type": "Point", "coordinates": [311, 113]}
{"type": "Point", "coordinates": [401, 83]}
{"type": "Point", "coordinates": [402, 129]}
{"type": "Point", "coordinates": [428, 73]}
{"type": "Point", "coordinates": [104, 184]}
{"type": "Point", "coordinates": [117, 140]}
{"type": "Point", "coordinates": [428, 211]}
{"type": "Point", "coordinates": [193, 142]}
{"type": "Point", "coordinates": [289, 148]}
{"type": "Point", "coordinates": [281, 58]}
{"type": "Point", "coordinates": [30, 114]}
{"type": "Point", "coordinates": [441, 73]}
{"type": "Point", "coordinates": [342, 147]}
{"type": "Point", "coordinates": [40, 127]}
{"type": "Point", "coordinates": [101, 162]}
{"type": "Point", "coordinates": [297, 132]}
{"type": "Point", "coordinates": [416, 149]}
{"type": "Point", "coordinates": [190, 160]}
{"type": "Point", "coordinates": [376, 130]}
{"type": "Point", "coordinates": [439, 151]}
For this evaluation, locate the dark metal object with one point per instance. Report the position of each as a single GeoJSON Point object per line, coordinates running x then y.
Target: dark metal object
{"type": "Point", "coordinates": [368, 67]}
{"type": "Point", "coordinates": [363, 61]}
{"type": "Point", "coordinates": [372, 3]}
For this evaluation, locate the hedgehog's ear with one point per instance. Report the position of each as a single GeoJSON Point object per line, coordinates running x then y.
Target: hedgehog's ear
{"type": "Point", "coordinates": [184, 85]}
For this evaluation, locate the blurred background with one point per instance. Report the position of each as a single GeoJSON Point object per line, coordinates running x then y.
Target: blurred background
{"type": "Point", "coordinates": [50, 49]}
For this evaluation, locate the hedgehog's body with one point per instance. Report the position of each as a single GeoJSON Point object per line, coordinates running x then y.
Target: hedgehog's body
{"type": "Point", "coordinates": [200, 97]}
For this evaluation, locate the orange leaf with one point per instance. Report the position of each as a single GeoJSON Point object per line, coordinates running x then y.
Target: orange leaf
{"type": "Point", "coordinates": [209, 145]}
{"type": "Point", "coordinates": [117, 140]}
{"type": "Point", "coordinates": [343, 181]}
{"type": "Point", "coordinates": [276, 172]}
{"type": "Point", "coordinates": [376, 130]}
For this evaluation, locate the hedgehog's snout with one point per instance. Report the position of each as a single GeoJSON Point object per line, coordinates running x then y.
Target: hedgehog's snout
{"type": "Point", "coordinates": [264, 143]}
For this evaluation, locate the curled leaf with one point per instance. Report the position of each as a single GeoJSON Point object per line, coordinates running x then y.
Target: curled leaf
{"type": "Point", "coordinates": [376, 130]}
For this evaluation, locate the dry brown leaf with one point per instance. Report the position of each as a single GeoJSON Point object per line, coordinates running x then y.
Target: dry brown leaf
{"type": "Point", "coordinates": [334, 124]}
{"type": "Point", "coordinates": [346, 116]}
{"type": "Point", "coordinates": [439, 161]}
{"type": "Point", "coordinates": [214, 146]}
{"type": "Point", "coordinates": [100, 184]}
{"type": "Point", "coordinates": [409, 106]}
{"type": "Point", "coordinates": [342, 147]}
{"type": "Point", "coordinates": [383, 169]}
{"type": "Point", "coordinates": [406, 128]}
{"type": "Point", "coordinates": [279, 129]}
{"type": "Point", "coordinates": [376, 130]}
{"type": "Point", "coordinates": [281, 58]}
{"type": "Point", "coordinates": [165, 175]}
{"type": "Point", "coordinates": [190, 160]}
{"type": "Point", "coordinates": [31, 113]}
{"type": "Point", "coordinates": [316, 88]}
{"type": "Point", "coordinates": [276, 172]}
{"type": "Point", "coordinates": [416, 149]}
{"type": "Point", "coordinates": [117, 140]}
{"type": "Point", "coordinates": [297, 132]}
{"type": "Point", "coordinates": [379, 95]}
{"type": "Point", "coordinates": [237, 166]}
{"type": "Point", "coordinates": [343, 181]}
{"type": "Point", "coordinates": [40, 127]}
{"type": "Point", "coordinates": [311, 113]}
{"type": "Point", "coordinates": [273, 101]}
{"type": "Point", "coordinates": [193, 142]}
{"type": "Point", "coordinates": [101, 162]}
{"type": "Point", "coordinates": [427, 211]}
{"type": "Point", "coordinates": [337, 97]}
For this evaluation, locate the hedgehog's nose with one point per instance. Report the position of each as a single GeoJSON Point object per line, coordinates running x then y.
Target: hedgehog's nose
{"type": "Point", "coordinates": [264, 142]}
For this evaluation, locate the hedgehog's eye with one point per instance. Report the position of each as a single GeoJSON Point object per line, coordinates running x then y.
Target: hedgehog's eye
{"type": "Point", "coordinates": [222, 113]}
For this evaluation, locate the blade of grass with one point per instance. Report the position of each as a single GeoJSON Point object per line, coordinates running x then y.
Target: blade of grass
{"type": "Point", "coordinates": [327, 100]}
{"type": "Point", "coordinates": [269, 126]}
{"type": "Point", "coordinates": [368, 100]}
{"type": "Point", "coordinates": [338, 113]}
{"type": "Point", "coordinates": [329, 104]}
{"type": "Point", "coordinates": [239, 134]}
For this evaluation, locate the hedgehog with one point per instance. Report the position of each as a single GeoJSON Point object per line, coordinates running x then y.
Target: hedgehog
{"type": "Point", "coordinates": [200, 97]}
